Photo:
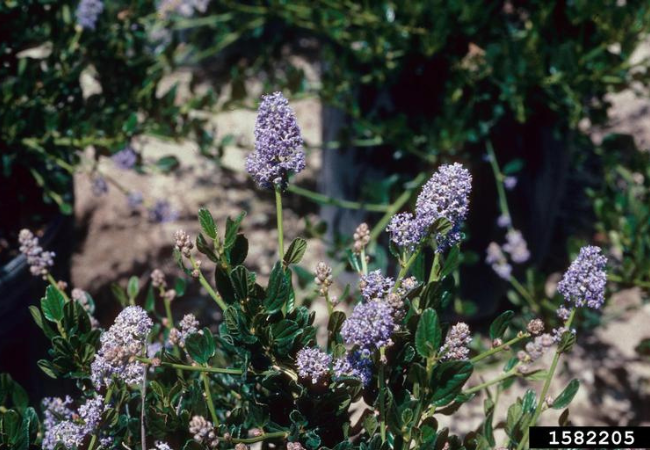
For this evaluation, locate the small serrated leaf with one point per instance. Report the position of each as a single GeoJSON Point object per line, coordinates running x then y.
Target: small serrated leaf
{"type": "Point", "coordinates": [52, 304]}
{"type": "Point", "coordinates": [207, 223]}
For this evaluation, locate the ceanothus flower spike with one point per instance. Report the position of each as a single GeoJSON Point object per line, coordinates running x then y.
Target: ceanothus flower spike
{"type": "Point", "coordinates": [584, 281]}
{"type": "Point", "coordinates": [278, 144]}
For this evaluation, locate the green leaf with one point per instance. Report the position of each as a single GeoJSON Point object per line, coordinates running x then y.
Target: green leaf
{"type": "Point", "coordinates": [207, 223]}
{"type": "Point", "coordinates": [52, 304]}
{"type": "Point", "coordinates": [354, 261]}
{"type": "Point", "coordinates": [150, 301]}
{"type": "Point", "coordinates": [563, 400]}
{"type": "Point", "coordinates": [167, 163]}
{"type": "Point", "coordinates": [370, 424]}
{"type": "Point", "coordinates": [448, 379]}
{"type": "Point", "coordinates": [452, 261]}
{"type": "Point", "coordinates": [428, 335]}
{"type": "Point", "coordinates": [133, 287]}
{"type": "Point", "coordinates": [201, 346]}
{"type": "Point", "coordinates": [513, 166]}
{"type": "Point", "coordinates": [38, 318]}
{"type": "Point", "coordinates": [179, 286]}
{"type": "Point", "coordinates": [224, 285]}
{"type": "Point", "coordinates": [120, 294]}
{"type": "Point", "coordinates": [239, 250]}
{"type": "Point", "coordinates": [47, 367]}
{"type": "Point", "coordinates": [335, 322]}
{"type": "Point", "coordinates": [278, 290]}
{"type": "Point", "coordinates": [295, 252]}
{"type": "Point", "coordinates": [500, 324]}
{"type": "Point", "coordinates": [232, 228]}
{"type": "Point", "coordinates": [203, 247]}
{"type": "Point", "coordinates": [239, 277]}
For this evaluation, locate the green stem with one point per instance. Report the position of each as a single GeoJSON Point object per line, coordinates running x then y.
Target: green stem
{"type": "Point", "coordinates": [499, 379]}
{"type": "Point", "coordinates": [405, 268]}
{"type": "Point", "coordinates": [207, 369]}
{"type": "Point", "coordinates": [382, 386]}
{"type": "Point", "coordinates": [546, 387]}
{"type": "Point", "coordinates": [524, 293]}
{"type": "Point", "coordinates": [499, 348]}
{"type": "Point", "coordinates": [278, 212]}
{"type": "Point", "coordinates": [498, 178]}
{"type": "Point", "coordinates": [326, 200]}
{"type": "Point", "coordinates": [364, 261]}
{"type": "Point", "coordinates": [168, 311]}
{"type": "Point", "coordinates": [330, 307]}
{"type": "Point", "coordinates": [208, 396]}
{"type": "Point", "coordinates": [433, 273]}
{"type": "Point", "coordinates": [396, 206]}
{"type": "Point", "coordinates": [217, 298]}
{"type": "Point", "coordinates": [263, 437]}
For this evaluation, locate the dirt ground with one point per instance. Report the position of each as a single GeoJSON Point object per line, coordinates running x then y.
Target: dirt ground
{"type": "Point", "coordinates": [115, 242]}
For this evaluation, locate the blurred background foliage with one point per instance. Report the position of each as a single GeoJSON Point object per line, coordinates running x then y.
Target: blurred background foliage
{"type": "Point", "coordinates": [412, 83]}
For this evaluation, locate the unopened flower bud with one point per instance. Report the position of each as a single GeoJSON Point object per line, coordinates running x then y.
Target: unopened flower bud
{"type": "Point", "coordinates": [361, 238]}
{"type": "Point", "coordinates": [497, 342]}
{"type": "Point", "coordinates": [323, 277]}
{"type": "Point", "coordinates": [158, 279]}
{"type": "Point", "coordinates": [535, 327]}
{"type": "Point", "coordinates": [183, 242]}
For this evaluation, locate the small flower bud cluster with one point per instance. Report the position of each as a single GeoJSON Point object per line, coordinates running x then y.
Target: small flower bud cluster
{"type": "Point", "coordinates": [160, 445]}
{"type": "Point", "coordinates": [158, 279]}
{"type": "Point", "coordinates": [535, 350]}
{"type": "Point", "coordinates": [241, 446]}
{"type": "Point", "coordinates": [185, 8]}
{"type": "Point", "coordinates": [295, 446]}
{"type": "Point", "coordinates": [516, 246]}
{"type": "Point", "coordinates": [456, 342]}
{"type": "Point", "coordinates": [88, 12]}
{"type": "Point", "coordinates": [121, 344]}
{"type": "Point", "coordinates": [39, 261]}
{"type": "Point", "coordinates": [183, 243]}
{"type": "Point", "coordinates": [584, 282]}
{"type": "Point", "coordinates": [188, 325]}
{"type": "Point", "coordinates": [196, 273]}
{"type": "Point", "coordinates": [313, 364]}
{"type": "Point", "coordinates": [370, 325]}
{"type": "Point", "coordinates": [278, 144]}
{"type": "Point", "coordinates": [354, 364]}
{"type": "Point", "coordinates": [323, 278]}
{"type": "Point", "coordinates": [504, 221]}
{"type": "Point", "coordinates": [375, 285]}
{"type": "Point", "coordinates": [203, 431]}
{"type": "Point", "coordinates": [125, 159]}
{"type": "Point", "coordinates": [361, 238]}
{"type": "Point", "coordinates": [498, 261]}
{"type": "Point", "coordinates": [535, 327]}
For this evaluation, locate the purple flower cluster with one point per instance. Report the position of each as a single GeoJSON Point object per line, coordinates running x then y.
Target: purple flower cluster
{"type": "Point", "coordinates": [406, 231]}
{"type": "Point", "coordinates": [584, 281]}
{"type": "Point", "coordinates": [456, 342]}
{"type": "Point", "coordinates": [498, 261]}
{"type": "Point", "coordinates": [63, 425]}
{"type": "Point", "coordinates": [278, 144]}
{"type": "Point", "coordinates": [123, 341]}
{"type": "Point", "coordinates": [370, 325]}
{"type": "Point", "coordinates": [88, 12]}
{"type": "Point", "coordinates": [134, 199]}
{"type": "Point", "coordinates": [445, 195]}
{"type": "Point", "coordinates": [99, 186]}
{"type": "Point", "coordinates": [375, 285]}
{"type": "Point", "coordinates": [125, 159]}
{"type": "Point", "coordinates": [55, 411]}
{"type": "Point", "coordinates": [39, 261]}
{"type": "Point", "coordinates": [516, 246]}
{"type": "Point", "coordinates": [313, 364]}
{"type": "Point", "coordinates": [354, 364]}
{"type": "Point", "coordinates": [162, 212]}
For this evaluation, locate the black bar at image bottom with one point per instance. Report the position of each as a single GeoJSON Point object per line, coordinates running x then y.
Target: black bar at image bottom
{"type": "Point", "coordinates": [589, 437]}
